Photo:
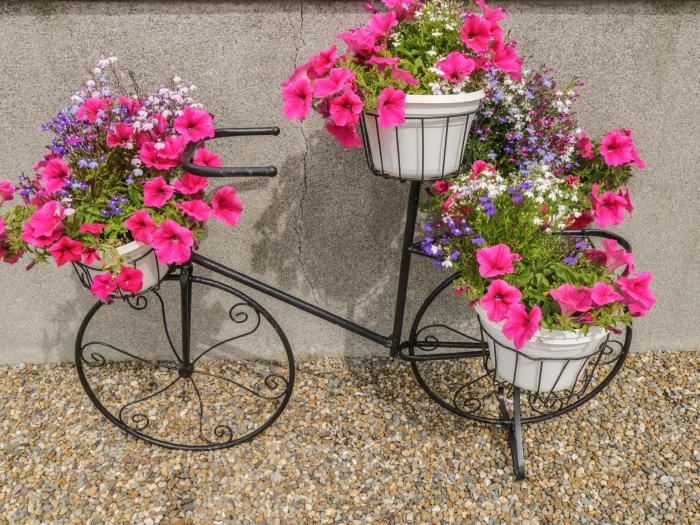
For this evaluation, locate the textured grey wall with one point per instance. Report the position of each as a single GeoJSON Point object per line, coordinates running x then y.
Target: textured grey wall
{"type": "Point", "coordinates": [326, 229]}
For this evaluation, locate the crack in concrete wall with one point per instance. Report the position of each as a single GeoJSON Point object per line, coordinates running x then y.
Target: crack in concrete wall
{"type": "Point", "coordinates": [300, 223]}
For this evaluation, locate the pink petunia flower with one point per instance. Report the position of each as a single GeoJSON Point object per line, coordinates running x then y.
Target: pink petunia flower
{"type": "Point", "coordinates": [141, 226]}
{"type": "Point", "coordinates": [172, 243]}
{"type": "Point", "coordinates": [608, 208]}
{"type": "Point", "coordinates": [55, 175]}
{"type": "Point", "coordinates": [226, 206]}
{"type": "Point", "coordinates": [603, 293]}
{"type": "Point", "coordinates": [637, 295]}
{"type": "Point", "coordinates": [346, 135]}
{"type": "Point", "coordinates": [130, 280]}
{"type": "Point", "coordinates": [612, 256]}
{"type": "Point", "coordinates": [494, 16]}
{"type": "Point", "coordinates": [94, 228]}
{"type": "Point", "coordinates": [345, 109]}
{"type": "Point", "coordinates": [90, 255]}
{"type": "Point", "coordinates": [197, 209]}
{"type": "Point", "coordinates": [323, 62]}
{"type": "Point", "coordinates": [297, 99]}
{"type": "Point", "coordinates": [194, 125]}
{"type": "Point", "coordinates": [495, 260]}
{"type": "Point", "coordinates": [479, 167]}
{"type": "Point", "coordinates": [132, 105]}
{"type": "Point", "coordinates": [584, 145]}
{"type": "Point", "coordinates": [190, 184]}
{"type": "Point", "coordinates": [45, 225]}
{"type": "Point", "coordinates": [403, 76]}
{"type": "Point", "coordinates": [391, 107]}
{"type": "Point", "coordinates": [3, 227]}
{"type": "Point", "coordinates": [6, 191]}
{"type": "Point", "coordinates": [381, 24]}
{"type": "Point", "coordinates": [506, 59]}
{"type": "Point", "coordinates": [360, 42]}
{"type": "Point", "coordinates": [156, 192]}
{"type": "Point", "coordinates": [476, 33]}
{"type": "Point", "coordinates": [580, 222]}
{"type": "Point", "coordinates": [90, 108]}
{"type": "Point", "coordinates": [500, 296]}
{"type": "Point", "coordinates": [456, 67]}
{"type": "Point", "coordinates": [337, 80]}
{"type": "Point", "coordinates": [520, 325]}
{"type": "Point", "coordinates": [572, 299]}
{"type": "Point", "coordinates": [617, 149]}
{"type": "Point", "coordinates": [165, 156]}
{"type": "Point", "coordinates": [442, 186]}
{"type": "Point", "coordinates": [103, 285]}
{"type": "Point", "coordinates": [66, 250]}
{"type": "Point", "coordinates": [121, 136]}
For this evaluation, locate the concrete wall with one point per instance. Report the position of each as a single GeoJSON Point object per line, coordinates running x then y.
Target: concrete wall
{"type": "Point", "coordinates": [326, 229]}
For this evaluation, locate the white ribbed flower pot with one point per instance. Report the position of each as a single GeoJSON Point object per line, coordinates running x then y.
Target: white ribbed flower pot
{"type": "Point", "coordinates": [430, 143]}
{"type": "Point", "coordinates": [144, 258]}
{"type": "Point", "coordinates": [551, 361]}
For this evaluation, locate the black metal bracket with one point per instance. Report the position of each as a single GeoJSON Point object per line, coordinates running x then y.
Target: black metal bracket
{"type": "Point", "coordinates": [514, 429]}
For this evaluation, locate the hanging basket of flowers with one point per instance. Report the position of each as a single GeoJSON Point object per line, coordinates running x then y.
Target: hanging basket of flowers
{"type": "Point", "coordinates": [110, 196]}
{"type": "Point", "coordinates": [412, 79]}
{"type": "Point", "coordinates": [548, 293]}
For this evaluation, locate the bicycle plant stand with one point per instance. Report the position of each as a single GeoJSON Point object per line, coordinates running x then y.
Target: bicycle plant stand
{"type": "Point", "coordinates": [175, 398]}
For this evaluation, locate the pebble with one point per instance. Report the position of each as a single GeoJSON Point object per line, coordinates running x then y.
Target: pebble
{"type": "Point", "coordinates": [359, 443]}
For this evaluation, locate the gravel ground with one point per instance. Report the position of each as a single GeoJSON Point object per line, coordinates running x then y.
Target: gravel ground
{"type": "Point", "coordinates": [360, 443]}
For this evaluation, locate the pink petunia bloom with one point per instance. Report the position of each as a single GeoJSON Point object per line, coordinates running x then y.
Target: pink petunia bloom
{"type": "Point", "coordinates": [584, 145]}
{"type": "Point", "coordinates": [141, 226]}
{"type": "Point", "coordinates": [66, 250]}
{"type": "Point", "coordinates": [190, 184]}
{"type": "Point", "coordinates": [495, 260]}
{"type": "Point", "coordinates": [45, 225]}
{"type": "Point", "coordinates": [163, 156]}
{"type": "Point", "coordinates": [103, 285]}
{"type": "Point", "coordinates": [226, 206]}
{"type": "Point", "coordinates": [156, 192]}
{"type": "Point", "coordinates": [603, 293]}
{"type": "Point", "coordinates": [55, 175]}
{"type": "Point", "coordinates": [6, 191]}
{"type": "Point", "coordinates": [194, 124]}
{"type": "Point", "coordinates": [580, 222]}
{"type": "Point", "coordinates": [616, 148]}
{"type": "Point", "coordinates": [572, 299]}
{"type": "Point", "coordinates": [323, 62]}
{"type": "Point", "coordinates": [476, 33]}
{"type": "Point", "coordinates": [346, 109]}
{"type": "Point", "coordinates": [403, 76]}
{"type": "Point", "coordinates": [3, 227]}
{"type": "Point", "coordinates": [494, 16]}
{"type": "Point", "coordinates": [635, 156]}
{"type": "Point", "coordinates": [500, 296]}
{"type": "Point", "coordinates": [360, 42]}
{"type": "Point", "coordinates": [132, 105]}
{"type": "Point", "coordinates": [90, 255]}
{"type": "Point", "coordinates": [297, 99]}
{"type": "Point", "coordinates": [197, 209]}
{"type": "Point", "coordinates": [346, 135]}
{"type": "Point", "coordinates": [94, 228]}
{"type": "Point", "coordinates": [520, 325]}
{"type": "Point", "coordinates": [455, 67]}
{"type": "Point", "coordinates": [391, 107]}
{"type": "Point", "coordinates": [337, 80]}
{"type": "Point", "coordinates": [121, 136]}
{"type": "Point", "coordinates": [130, 280]}
{"type": "Point", "coordinates": [381, 25]}
{"type": "Point", "coordinates": [442, 186]}
{"type": "Point", "coordinates": [506, 59]}
{"type": "Point", "coordinates": [608, 208]}
{"type": "Point", "coordinates": [637, 295]}
{"type": "Point", "coordinates": [172, 243]}
{"type": "Point", "coordinates": [90, 108]}
{"type": "Point", "coordinates": [612, 257]}
{"type": "Point", "coordinates": [479, 167]}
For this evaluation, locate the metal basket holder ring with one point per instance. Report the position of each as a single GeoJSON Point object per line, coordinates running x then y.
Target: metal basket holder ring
{"type": "Point", "coordinates": [173, 397]}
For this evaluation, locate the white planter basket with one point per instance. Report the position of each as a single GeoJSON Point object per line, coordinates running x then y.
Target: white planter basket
{"type": "Point", "coordinates": [140, 255]}
{"type": "Point", "coordinates": [551, 361]}
{"type": "Point", "coordinates": [430, 144]}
